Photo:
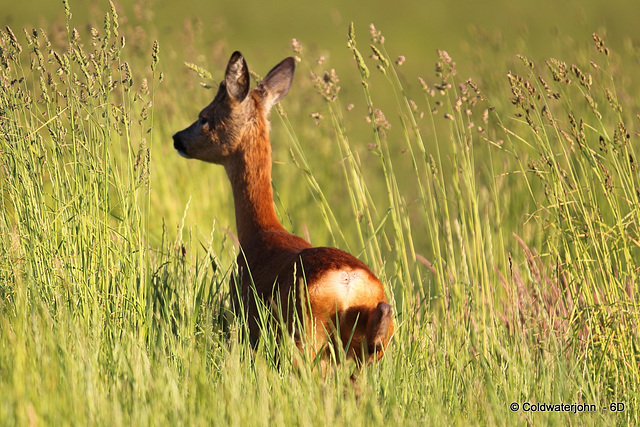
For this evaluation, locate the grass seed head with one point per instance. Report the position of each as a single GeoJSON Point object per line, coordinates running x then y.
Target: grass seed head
{"type": "Point", "coordinates": [529, 64]}
{"type": "Point", "coordinates": [376, 36]}
{"type": "Point", "coordinates": [351, 36]}
{"type": "Point", "coordinates": [114, 16]}
{"type": "Point", "coordinates": [67, 10]}
{"type": "Point", "coordinates": [380, 120]}
{"type": "Point", "coordinates": [13, 39]}
{"type": "Point", "coordinates": [327, 85]}
{"type": "Point", "coordinates": [600, 44]}
{"type": "Point", "coordinates": [155, 52]}
{"type": "Point", "coordinates": [379, 56]}
{"type": "Point", "coordinates": [201, 72]}
{"type": "Point", "coordinates": [296, 46]}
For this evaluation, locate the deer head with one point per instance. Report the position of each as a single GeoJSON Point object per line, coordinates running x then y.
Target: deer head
{"type": "Point", "coordinates": [236, 111]}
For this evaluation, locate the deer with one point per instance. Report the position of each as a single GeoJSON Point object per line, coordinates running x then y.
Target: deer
{"type": "Point", "coordinates": [341, 301]}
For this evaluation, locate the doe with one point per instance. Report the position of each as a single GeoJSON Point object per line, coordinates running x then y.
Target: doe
{"type": "Point", "coordinates": [341, 299]}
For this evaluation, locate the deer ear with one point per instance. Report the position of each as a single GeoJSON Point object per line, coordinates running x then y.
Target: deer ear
{"type": "Point", "coordinates": [276, 84]}
{"type": "Point", "coordinates": [237, 77]}
{"type": "Point", "coordinates": [378, 326]}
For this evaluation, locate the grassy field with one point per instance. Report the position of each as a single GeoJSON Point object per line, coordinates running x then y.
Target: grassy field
{"type": "Point", "coordinates": [493, 186]}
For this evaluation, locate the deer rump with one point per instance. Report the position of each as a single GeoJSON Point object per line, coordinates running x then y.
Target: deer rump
{"type": "Point", "coordinates": [330, 294]}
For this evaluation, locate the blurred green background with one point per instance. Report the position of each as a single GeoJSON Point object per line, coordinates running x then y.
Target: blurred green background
{"type": "Point", "coordinates": [537, 28]}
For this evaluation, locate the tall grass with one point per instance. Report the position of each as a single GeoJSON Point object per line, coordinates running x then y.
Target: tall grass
{"type": "Point", "coordinates": [503, 221]}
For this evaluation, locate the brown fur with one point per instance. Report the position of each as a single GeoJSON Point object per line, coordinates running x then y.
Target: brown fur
{"type": "Point", "coordinates": [348, 304]}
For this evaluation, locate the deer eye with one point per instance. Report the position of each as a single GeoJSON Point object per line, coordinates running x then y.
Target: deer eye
{"type": "Point", "coordinates": [204, 123]}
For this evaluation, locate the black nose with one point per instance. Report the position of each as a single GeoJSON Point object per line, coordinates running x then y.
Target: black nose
{"type": "Point", "coordinates": [177, 143]}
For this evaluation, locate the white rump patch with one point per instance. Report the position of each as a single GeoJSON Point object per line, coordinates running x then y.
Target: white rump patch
{"type": "Point", "coordinates": [347, 286]}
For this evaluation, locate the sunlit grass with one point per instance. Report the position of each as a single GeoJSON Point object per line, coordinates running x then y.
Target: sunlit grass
{"type": "Point", "coordinates": [503, 221]}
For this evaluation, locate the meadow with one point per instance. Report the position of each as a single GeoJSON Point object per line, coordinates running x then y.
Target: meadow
{"type": "Point", "coordinates": [488, 175]}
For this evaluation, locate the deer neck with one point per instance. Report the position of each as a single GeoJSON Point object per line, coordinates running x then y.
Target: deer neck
{"type": "Point", "coordinates": [250, 174]}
